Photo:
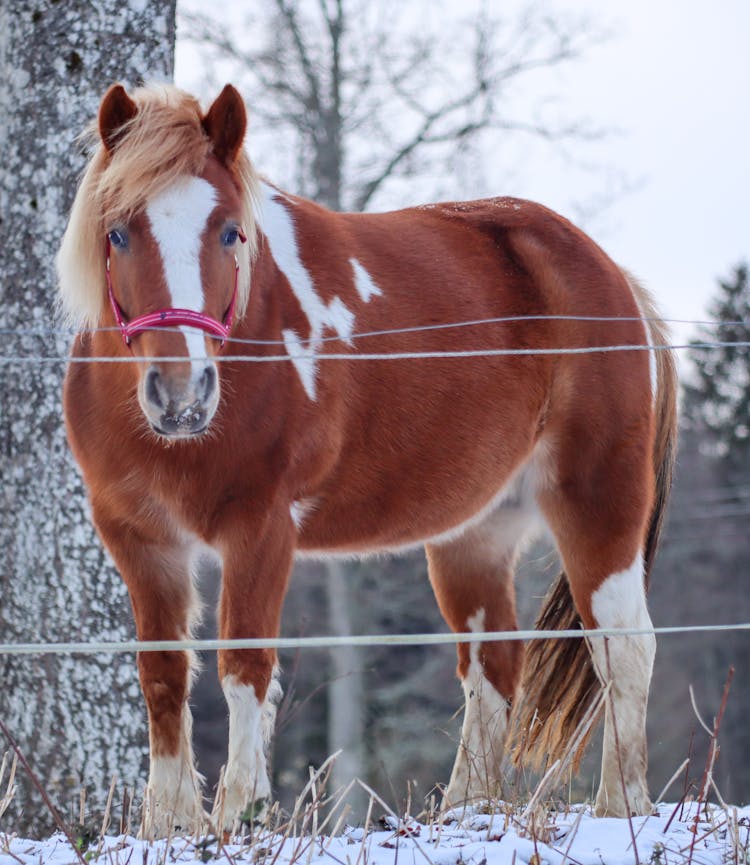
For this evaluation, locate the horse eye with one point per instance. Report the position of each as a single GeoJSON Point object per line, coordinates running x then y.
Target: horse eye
{"type": "Point", "coordinates": [118, 239]}
{"type": "Point", "coordinates": [230, 236]}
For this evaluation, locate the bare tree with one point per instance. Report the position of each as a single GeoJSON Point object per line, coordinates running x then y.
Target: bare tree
{"type": "Point", "coordinates": [358, 95]}
{"type": "Point", "coordinates": [77, 720]}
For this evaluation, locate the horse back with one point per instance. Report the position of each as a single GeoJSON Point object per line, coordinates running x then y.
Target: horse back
{"type": "Point", "coordinates": [418, 429]}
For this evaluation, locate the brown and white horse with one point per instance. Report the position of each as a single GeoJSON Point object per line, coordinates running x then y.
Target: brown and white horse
{"type": "Point", "coordinates": [184, 450]}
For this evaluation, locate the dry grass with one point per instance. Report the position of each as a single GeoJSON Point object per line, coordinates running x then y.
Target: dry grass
{"type": "Point", "coordinates": [318, 827]}
{"type": "Point", "coordinates": [317, 830]}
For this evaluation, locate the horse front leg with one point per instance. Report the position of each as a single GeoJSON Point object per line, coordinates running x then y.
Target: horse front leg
{"type": "Point", "coordinates": [257, 565]}
{"type": "Point", "coordinates": [156, 571]}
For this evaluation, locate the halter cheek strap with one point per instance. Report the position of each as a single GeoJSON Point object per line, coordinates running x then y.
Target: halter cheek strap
{"type": "Point", "coordinates": [173, 316]}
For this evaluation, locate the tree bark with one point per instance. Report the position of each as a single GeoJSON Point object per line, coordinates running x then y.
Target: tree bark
{"type": "Point", "coordinates": [78, 720]}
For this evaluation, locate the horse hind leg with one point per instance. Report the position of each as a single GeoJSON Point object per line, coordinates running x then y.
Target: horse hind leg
{"type": "Point", "coordinates": [600, 539]}
{"type": "Point", "coordinates": [626, 664]}
{"type": "Point", "coordinates": [472, 577]}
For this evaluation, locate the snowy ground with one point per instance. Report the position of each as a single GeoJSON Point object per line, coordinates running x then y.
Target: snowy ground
{"type": "Point", "coordinates": [574, 836]}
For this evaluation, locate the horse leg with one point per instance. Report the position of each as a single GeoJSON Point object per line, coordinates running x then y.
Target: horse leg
{"type": "Point", "coordinates": [472, 577]}
{"type": "Point", "coordinates": [156, 570]}
{"type": "Point", "coordinates": [253, 588]}
{"type": "Point", "coordinates": [600, 537]}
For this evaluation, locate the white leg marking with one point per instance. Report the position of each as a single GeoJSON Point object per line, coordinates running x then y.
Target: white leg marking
{"type": "Point", "coordinates": [278, 226]}
{"type": "Point", "coordinates": [250, 729]}
{"type": "Point", "coordinates": [174, 787]}
{"type": "Point", "coordinates": [620, 602]}
{"type": "Point", "coordinates": [178, 217]}
{"type": "Point", "coordinates": [476, 772]}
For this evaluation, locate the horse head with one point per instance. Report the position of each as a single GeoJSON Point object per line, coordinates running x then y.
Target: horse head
{"type": "Point", "coordinates": [172, 271]}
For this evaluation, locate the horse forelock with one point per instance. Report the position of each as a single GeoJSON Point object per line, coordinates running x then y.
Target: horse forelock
{"type": "Point", "coordinates": [164, 141]}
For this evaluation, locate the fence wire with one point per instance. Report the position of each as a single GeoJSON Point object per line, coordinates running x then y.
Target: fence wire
{"type": "Point", "coordinates": [328, 642]}
{"type": "Point", "coordinates": [132, 646]}
{"type": "Point", "coordinates": [371, 356]}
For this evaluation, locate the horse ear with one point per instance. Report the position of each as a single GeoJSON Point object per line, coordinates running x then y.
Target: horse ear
{"type": "Point", "coordinates": [116, 110]}
{"type": "Point", "coordinates": [225, 124]}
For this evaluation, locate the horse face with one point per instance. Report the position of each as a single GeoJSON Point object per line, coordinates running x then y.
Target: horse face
{"type": "Point", "coordinates": [175, 259]}
{"type": "Point", "coordinates": [179, 254]}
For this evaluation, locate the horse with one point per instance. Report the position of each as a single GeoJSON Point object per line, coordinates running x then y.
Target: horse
{"type": "Point", "coordinates": [292, 381]}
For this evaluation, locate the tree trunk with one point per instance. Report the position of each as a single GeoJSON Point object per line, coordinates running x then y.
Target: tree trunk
{"type": "Point", "coordinates": [346, 704]}
{"type": "Point", "coordinates": [78, 720]}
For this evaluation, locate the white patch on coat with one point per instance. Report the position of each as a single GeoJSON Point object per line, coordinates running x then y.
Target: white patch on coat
{"type": "Point", "coordinates": [297, 511]}
{"type": "Point", "coordinates": [277, 224]}
{"type": "Point", "coordinates": [620, 602]}
{"type": "Point", "coordinates": [476, 772]}
{"type": "Point", "coordinates": [250, 728]}
{"type": "Point", "coordinates": [363, 282]}
{"type": "Point", "coordinates": [304, 360]}
{"type": "Point", "coordinates": [178, 217]}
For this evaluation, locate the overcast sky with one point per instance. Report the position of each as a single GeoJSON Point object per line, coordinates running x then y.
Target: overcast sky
{"type": "Point", "coordinates": [674, 79]}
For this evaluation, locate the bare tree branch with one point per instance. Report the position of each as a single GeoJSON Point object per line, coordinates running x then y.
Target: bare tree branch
{"type": "Point", "coordinates": [422, 136]}
{"type": "Point", "coordinates": [288, 12]}
{"type": "Point", "coordinates": [264, 66]}
{"type": "Point", "coordinates": [351, 80]}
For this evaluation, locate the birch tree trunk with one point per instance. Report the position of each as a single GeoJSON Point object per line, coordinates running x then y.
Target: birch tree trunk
{"type": "Point", "coordinates": [78, 720]}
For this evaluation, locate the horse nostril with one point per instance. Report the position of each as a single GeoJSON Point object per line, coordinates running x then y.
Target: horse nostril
{"type": "Point", "coordinates": [208, 382]}
{"type": "Point", "coordinates": [152, 389]}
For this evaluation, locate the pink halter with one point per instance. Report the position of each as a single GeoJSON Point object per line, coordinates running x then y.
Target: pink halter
{"type": "Point", "coordinates": [173, 317]}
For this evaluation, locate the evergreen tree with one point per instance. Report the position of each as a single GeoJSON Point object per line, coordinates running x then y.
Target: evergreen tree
{"type": "Point", "coordinates": [701, 571]}
{"type": "Point", "coordinates": [717, 403]}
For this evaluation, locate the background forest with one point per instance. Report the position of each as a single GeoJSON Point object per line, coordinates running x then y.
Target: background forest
{"type": "Point", "coordinates": [359, 106]}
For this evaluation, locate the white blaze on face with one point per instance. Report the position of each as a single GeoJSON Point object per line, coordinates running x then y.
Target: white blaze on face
{"type": "Point", "coordinates": [178, 217]}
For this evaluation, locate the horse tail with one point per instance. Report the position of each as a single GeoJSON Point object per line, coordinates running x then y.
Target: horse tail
{"type": "Point", "coordinates": [665, 420]}
{"type": "Point", "coordinates": [560, 694]}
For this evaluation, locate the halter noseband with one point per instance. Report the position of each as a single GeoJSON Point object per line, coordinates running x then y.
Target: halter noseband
{"type": "Point", "coordinates": [173, 317]}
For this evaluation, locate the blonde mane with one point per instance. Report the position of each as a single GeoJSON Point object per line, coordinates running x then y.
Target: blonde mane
{"type": "Point", "coordinates": [164, 141]}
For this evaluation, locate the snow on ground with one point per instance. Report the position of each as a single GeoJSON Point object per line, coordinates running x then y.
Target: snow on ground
{"type": "Point", "coordinates": [575, 836]}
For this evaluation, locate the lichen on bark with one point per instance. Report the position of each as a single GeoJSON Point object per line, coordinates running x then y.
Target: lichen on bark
{"type": "Point", "coordinates": [78, 720]}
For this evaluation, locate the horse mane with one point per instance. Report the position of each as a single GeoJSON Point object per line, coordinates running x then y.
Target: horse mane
{"type": "Point", "coordinates": [165, 140]}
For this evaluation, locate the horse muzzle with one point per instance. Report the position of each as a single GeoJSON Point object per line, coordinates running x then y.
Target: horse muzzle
{"type": "Point", "coordinates": [176, 408]}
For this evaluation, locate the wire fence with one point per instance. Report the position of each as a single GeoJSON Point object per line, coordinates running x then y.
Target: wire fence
{"type": "Point", "coordinates": [131, 646]}
{"type": "Point", "coordinates": [451, 325]}
{"type": "Point", "coordinates": [330, 642]}
{"type": "Point", "coordinates": [312, 348]}
{"type": "Point", "coordinates": [373, 356]}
